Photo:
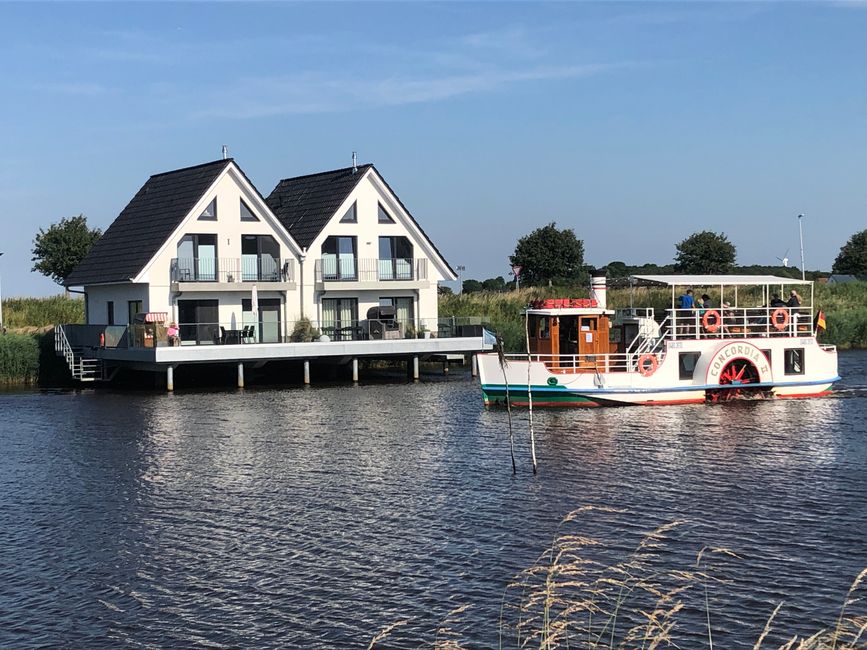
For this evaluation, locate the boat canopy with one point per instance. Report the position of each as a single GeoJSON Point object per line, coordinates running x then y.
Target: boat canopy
{"type": "Point", "coordinates": [717, 280]}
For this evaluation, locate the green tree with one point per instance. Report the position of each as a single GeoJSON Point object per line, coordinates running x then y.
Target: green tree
{"type": "Point", "coordinates": [63, 246]}
{"type": "Point", "coordinates": [497, 285]}
{"type": "Point", "coordinates": [471, 286]}
{"type": "Point", "coordinates": [705, 252]}
{"type": "Point", "coordinates": [853, 255]}
{"type": "Point", "coordinates": [617, 269]}
{"type": "Point", "coordinates": [548, 255]}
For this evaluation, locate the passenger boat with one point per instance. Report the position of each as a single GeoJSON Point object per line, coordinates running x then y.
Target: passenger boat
{"type": "Point", "coordinates": [582, 354]}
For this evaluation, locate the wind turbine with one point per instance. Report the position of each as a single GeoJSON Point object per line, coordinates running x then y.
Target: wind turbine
{"type": "Point", "coordinates": [784, 260]}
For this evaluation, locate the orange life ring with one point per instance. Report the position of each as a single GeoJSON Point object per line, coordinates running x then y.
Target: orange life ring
{"type": "Point", "coordinates": [706, 321]}
{"type": "Point", "coordinates": [644, 369]}
{"type": "Point", "coordinates": [779, 324]}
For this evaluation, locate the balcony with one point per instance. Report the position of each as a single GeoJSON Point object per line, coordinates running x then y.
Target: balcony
{"type": "Point", "coordinates": [231, 273]}
{"type": "Point", "coordinates": [336, 272]}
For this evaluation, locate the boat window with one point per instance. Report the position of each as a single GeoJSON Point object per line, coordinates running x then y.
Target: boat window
{"type": "Point", "coordinates": [686, 361]}
{"type": "Point", "coordinates": [544, 331]}
{"type": "Point", "coordinates": [794, 361]}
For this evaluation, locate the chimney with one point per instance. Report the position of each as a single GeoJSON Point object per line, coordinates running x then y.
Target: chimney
{"type": "Point", "coordinates": [598, 287]}
{"type": "Point", "coordinates": [354, 162]}
{"type": "Point", "coordinates": [225, 152]}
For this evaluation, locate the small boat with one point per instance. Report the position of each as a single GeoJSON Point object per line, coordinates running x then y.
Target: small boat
{"type": "Point", "coordinates": [582, 354]}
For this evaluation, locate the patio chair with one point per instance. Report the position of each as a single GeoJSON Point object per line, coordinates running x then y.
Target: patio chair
{"type": "Point", "coordinates": [248, 333]}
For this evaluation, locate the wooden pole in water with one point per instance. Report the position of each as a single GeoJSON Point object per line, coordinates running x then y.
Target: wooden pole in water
{"type": "Point", "coordinates": [240, 375]}
{"type": "Point", "coordinates": [530, 390]}
{"type": "Point", "coordinates": [415, 368]}
{"type": "Point", "coordinates": [502, 358]}
{"type": "Point", "coordinates": [355, 371]}
{"type": "Point", "coordinates": [306, 372]}
{"type": "Point", "coordinates": [474, 365]}
{"type": "Point", "coordinates": [170, 378]}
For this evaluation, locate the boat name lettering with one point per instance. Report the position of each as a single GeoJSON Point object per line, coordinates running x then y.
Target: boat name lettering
{"type": "Point", "coordinates": [738, 350]}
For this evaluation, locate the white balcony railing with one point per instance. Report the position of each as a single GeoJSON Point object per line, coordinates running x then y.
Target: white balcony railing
{"type": "Point", "coordinates": [250, 268]}
{"type": "Point", "coordinates": [353, 269]}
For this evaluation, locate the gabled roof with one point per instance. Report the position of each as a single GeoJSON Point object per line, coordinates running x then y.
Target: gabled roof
{"type": "Point", "coordinates": [145, 224]}
{"type": "Point", "coordinates": [305, 204]}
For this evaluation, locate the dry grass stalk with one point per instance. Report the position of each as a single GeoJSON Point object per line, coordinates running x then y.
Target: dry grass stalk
{"type": "Point", "coordinates": [387, 630]}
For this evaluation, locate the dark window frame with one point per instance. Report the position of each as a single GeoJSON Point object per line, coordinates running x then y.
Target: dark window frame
{"type": "Point", "coordinates": [684, 372]}
{"type": "Point", "coordinates": [252, 216]}
{"type": "Point", "coordinates": [109, 312]}
{"type": "Point", "coordinates": [205, 217]}
{"type": "Point", "coordinates": [131, 312]}
{"type": "Point", "coordinates": [794, 361]}
{"type": "Point", "coordinates": [353, 210]}
{"type": "Point", "coordinates": [383, 215]}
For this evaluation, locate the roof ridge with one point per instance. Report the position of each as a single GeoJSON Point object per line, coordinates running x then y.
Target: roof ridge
{"type": "Point", "coordinates": [331, 171]}
{"type": "Point", "coordinates": [184, 169]}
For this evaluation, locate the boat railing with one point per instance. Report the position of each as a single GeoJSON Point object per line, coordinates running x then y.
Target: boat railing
{"type": "Point", "coordinates": [577, 363]}
{"type": "Point", "coordinates": [732, 323]}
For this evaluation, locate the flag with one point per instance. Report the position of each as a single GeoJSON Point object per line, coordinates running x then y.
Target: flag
{"type": "Point", "coordinates": [820, 321]}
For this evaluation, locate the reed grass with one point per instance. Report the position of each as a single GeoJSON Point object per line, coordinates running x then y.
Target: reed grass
{"type": "Point", "coordinates": [845, 307]}
{"type": "Point", "coordinates": [36, 313]}
{"type": "Point", "coordinates": [19, 359]}
{"type": "Point", "coordinates": [587, 593]}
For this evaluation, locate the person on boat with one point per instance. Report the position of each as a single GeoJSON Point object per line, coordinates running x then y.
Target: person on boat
{"type": "Point", "coordinates": [686, 301]}
{"type": "Point", "coordinates": [705, 300]}
{"type": "Point", "coordinates": [794, 299]}
{"type": "Point", "coordinates": [685, 305]}
{"type": "Point", "coordinates": [776, 302]}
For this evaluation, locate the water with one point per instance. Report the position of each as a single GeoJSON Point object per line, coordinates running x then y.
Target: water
{"type": "Point", "coordinates": [314, 518]}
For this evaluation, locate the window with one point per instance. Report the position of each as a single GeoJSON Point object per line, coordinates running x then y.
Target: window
{"type": "Point", "coordinates": [395, 258]}
{"type": "Point", "coordinates": [210, 212]}
{"type": "Point", "coordinates": [794, 361]}
{"type": "Point", "coordinates": [382, 215]}
{"type": "Point", "coordinates": [686, 361]}
{"type": "Point", "coordinates": [338, 258]}
{"type": "Point", "coordinates": [340, 318]}
{"type": "Point", "coordinates": [246, 212]}
{"type": "Point", "coordinates": [109, 306]}
{"type": "Point", "coordinates": [133, 307]}
{"type": "Point", "coordinates": [351, 215]}
{"type": "Point", "coordinates": [260, 258]}
{"type": "Point", "coordinates": [197, 259]}
{"type": "Point", "coordinates": [403, 308]}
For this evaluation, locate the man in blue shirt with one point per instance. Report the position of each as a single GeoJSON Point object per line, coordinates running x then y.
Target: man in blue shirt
{"type": "Point", "coordinates": [686, 300]}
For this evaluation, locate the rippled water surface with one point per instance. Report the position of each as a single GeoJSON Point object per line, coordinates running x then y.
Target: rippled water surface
{"type": "Point", "coordinates": [314, 518]}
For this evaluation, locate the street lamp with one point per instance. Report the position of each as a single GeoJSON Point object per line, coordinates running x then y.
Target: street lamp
{"type": "Point", "coordinates": [801, 233]}
{"type": "Point", "coordinates": [460, 270]}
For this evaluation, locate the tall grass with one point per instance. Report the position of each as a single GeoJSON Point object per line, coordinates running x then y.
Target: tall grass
{"type": "Point", "coordinates": [19, 359]}
{"type": "Point", "coordinates": [845, 307]}
{"type": "Point", "coordinates": [36, 313]}
{"type": "Point", "coordinates": [588, 593]}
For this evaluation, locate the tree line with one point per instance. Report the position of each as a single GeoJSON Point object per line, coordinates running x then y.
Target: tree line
{"type": "Point", "coordinates": [550, 256]}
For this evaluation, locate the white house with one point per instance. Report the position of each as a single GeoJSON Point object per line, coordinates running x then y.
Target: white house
{"type": "Point", "coordinates": [204, 247]}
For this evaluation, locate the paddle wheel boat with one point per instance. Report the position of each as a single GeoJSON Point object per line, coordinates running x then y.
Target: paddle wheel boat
{"type": "Point", "coordinates": [582, 354]}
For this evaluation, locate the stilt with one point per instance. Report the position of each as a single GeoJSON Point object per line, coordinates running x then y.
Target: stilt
{"type": "Point", "coordinates": [170, 378]}
{"type": "Point", "coordinates": [415, 368]}
{"type": "Point", "coordinates": [240, 375]}
{"type": "Point", "coordinates": [306, 372]}
{"type": "Point", "coordinates": [355, 371]}
{"type": "Point", "coordinates": [445, 367]}
{"type": "Point", "coordinates": [474, 365]}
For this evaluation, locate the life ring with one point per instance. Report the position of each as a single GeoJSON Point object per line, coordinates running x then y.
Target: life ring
{"type": "Point", "coordinates": [643, 368]}
{"type": "Point", "coordinates": [780, 323]}
{"type": "Point", "coordinates": [711, 325]}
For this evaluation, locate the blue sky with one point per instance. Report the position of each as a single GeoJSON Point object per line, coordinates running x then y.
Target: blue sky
{"type": "Point", "coordinates": [634, 124]}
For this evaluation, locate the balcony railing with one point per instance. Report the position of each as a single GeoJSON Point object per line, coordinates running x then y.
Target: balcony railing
{"type": "Point", "coordinates": [250, 268]}
{"type": "Point", "coordinates": [352, 269]}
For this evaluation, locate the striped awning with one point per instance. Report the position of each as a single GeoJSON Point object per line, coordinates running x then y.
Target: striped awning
{"type": "Point", "coordinates": [156, 317]}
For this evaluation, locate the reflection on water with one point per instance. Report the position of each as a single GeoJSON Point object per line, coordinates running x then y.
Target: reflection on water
{"type": "Point", "coordinates": [274, 518]}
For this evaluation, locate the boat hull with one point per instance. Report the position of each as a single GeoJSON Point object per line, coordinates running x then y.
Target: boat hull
{"type": "Point", "coordinates": [551, 384]}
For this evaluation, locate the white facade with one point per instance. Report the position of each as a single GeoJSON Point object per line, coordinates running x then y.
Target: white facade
{"type": "Point", "coordinates": [206, 265]}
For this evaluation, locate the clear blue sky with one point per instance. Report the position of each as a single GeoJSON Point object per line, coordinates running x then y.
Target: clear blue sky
{"type": "Point", "coordinates": [634, 124]}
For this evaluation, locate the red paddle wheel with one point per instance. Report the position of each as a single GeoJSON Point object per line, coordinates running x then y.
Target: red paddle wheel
{"type": "Point", "coordinates": [737, 377]}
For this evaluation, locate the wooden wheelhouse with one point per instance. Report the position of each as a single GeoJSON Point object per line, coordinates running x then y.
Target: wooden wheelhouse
{"type": "Point", "coordinates": [571, 339]}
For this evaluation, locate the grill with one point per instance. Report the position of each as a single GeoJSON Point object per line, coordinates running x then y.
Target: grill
{"type": "Point", "coordinates": [380, 323]}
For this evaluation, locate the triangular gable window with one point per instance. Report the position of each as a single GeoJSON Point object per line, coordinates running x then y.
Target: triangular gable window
{"type": "Point", "coordinates": [247, 213]}
{"type": "Point", "coordinates": [384, 217]}
{"type": "Point", "coordinates": [351, 215]}
{"type": "Point", "coordinates": [210, 213]}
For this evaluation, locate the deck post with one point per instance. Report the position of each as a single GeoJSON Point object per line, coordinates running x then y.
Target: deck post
{"type": "Point", "coordinates": [474, 365]}
{"type": "Point", "coordinates": [446, 367]}
{"type": "Point", "coordinates": [355, 370]}
{"type": "Point", "coordinates": [306, 372]}
{"type": "Point", "coordinates": [415, 367]}
{"type": "Point", "coordinates": [170, 378]}
{"type": "Point", "coordinates": [240, 375]}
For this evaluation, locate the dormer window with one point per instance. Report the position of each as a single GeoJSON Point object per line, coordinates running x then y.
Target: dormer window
{"type": "Point", "coordinates": [247, 213]}
{"type": "Point", "coordinates": [210, 212]}
{"type": "Point", "coordinates": [351, 215]}
{"type": "Point", "coordinates": [384, 216]}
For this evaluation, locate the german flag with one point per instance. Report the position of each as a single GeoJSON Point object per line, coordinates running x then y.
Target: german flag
{"type": "Point", "coordinates": [820, 321]}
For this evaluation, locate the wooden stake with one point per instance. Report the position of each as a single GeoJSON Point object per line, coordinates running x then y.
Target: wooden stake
{"type": "Point", "coordinates": [530, 390]}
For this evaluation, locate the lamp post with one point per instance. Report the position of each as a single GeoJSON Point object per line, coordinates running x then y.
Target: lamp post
{"type": "Point", "coordinates": [801, 233]}
{"type": "Point", "coordinates": [460, 269]}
